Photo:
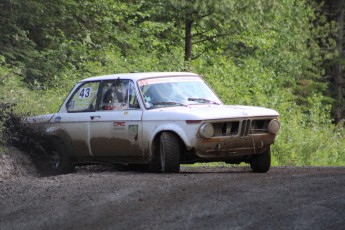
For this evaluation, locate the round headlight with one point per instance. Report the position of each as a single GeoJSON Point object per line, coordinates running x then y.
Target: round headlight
{"type": "Point", "coordinates": [274, 126]}
{"type": "Point", "coordinates": [206, 130]}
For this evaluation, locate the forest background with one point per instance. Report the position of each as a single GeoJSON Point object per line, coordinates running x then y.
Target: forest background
{"type": "Point", "coordinates": [282, 54]}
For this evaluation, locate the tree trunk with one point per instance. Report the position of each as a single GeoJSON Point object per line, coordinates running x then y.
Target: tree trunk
{"type": "Point", "coordinates": [335, 11]}
{"type": "Point", "coordinates": [188, 40]}
{"type": "Point", "coordinates": [339, 69]}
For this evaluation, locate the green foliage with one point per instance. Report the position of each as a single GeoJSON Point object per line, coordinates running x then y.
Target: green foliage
{"type": "Point", "coordinates": [303, 144]}
{"type": "Point", "coordinates": [13, 91]}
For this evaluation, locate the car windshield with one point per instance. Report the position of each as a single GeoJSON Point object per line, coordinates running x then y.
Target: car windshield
{"type": "Point", "coordinates": [176, 91]}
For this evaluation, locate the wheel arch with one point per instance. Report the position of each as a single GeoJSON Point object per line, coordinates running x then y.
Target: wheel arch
{"type": "Point", "coordinates": [157, 135]}
{"type": "Point", "coordinates": [181, 135]}
{"type": "Point", "coordinates": [52, 133]}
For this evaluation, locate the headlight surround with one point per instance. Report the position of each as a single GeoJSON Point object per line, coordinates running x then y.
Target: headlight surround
{"type": "Point", "coordinates": [274, 126]}
{"type": "Point", "coordinates": [206, 130]}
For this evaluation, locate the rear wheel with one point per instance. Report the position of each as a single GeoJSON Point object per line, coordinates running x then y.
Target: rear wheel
{"type": "Point", "coordinates": [58, 158]}
{"type": "Point", "coordinates": [169, 149]}
{"type": "Point", "coordinates": [261, 163]}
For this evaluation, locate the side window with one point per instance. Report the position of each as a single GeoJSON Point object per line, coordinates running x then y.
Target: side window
{"type": "Point", "coordinates": [118, 95]}
{"type": "Point", "coordinates": [84, 98]}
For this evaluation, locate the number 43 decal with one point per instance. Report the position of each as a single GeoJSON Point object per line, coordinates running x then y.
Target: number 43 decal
{"type": "Point", "coordinates": [84, 92]}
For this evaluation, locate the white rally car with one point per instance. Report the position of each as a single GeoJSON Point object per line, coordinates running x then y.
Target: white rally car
{"type": "Point", "coordinates": [161, 120]}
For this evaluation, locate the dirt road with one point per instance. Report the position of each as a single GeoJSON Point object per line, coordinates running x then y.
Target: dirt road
{"type": "Point", "coordinates": [196, 198]}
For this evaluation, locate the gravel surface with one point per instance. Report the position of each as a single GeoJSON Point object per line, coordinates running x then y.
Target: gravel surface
{"type": "Point", "coordinates": [196, 198]}
{"type": "Point", "coordinates": [14, 163]}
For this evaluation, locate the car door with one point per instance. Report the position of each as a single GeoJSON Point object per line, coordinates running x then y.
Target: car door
{"type": "Point", "coordinates": [76, 118]}
{"type": "Point", "coordinates": [116, 130]}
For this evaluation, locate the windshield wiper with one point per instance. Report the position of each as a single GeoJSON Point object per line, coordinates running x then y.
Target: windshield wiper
{"type": "Point", "coordinates": [202, 100]}
{"type": "Point", "coordinates": [167, 103]}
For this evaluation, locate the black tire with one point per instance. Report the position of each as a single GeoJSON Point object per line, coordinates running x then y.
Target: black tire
{"type": "Point", "coordinates": [155, 161]}
{"type": "Point", "coordinates": [170, 151]}
{"type": "Point", "coordinates": [261, 163]}
{"type": "Point", "coordinates": [59, 161]}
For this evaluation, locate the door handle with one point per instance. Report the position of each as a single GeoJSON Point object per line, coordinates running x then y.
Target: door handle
{"type": "Point", "coordinates": [93, 117]}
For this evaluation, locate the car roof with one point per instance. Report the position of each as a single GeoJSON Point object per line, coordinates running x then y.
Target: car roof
{"type": "Point", "coordinates": [138, 76]}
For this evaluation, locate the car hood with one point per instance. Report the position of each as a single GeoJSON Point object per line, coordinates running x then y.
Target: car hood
{"type": "Point", "coordinates": [39, 118]}
{"type": "Point", "coordinates": [208, 112]}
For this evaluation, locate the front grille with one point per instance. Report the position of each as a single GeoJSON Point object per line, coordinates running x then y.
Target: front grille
{"type": "Point", "coordinates": [226, 128]}
{"type": "Point", "coordinates": [245, 128]}
{"type": "Point", "coordinates": [241, 127]}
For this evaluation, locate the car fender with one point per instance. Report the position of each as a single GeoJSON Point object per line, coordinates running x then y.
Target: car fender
{"type": "Point", "coordinates": [60, 133]}
{"type": "Point", "coordinates": [187, 138]}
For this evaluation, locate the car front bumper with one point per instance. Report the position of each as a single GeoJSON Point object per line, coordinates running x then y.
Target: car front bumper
{"type": "Point", "coordinates": [228, 147]}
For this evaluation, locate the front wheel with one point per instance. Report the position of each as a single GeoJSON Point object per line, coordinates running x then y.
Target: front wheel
{"type": "Point", "coordinates": [170, 150]}
{"type": "Point", "coordinates": [261, 163]}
